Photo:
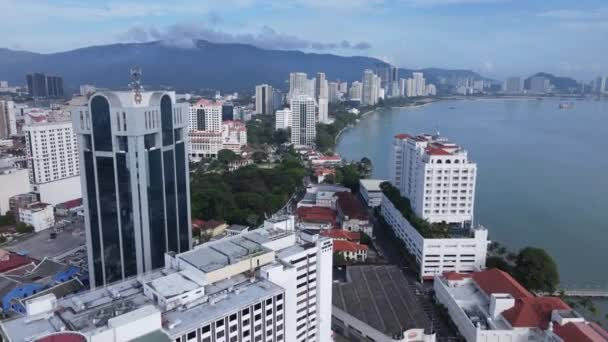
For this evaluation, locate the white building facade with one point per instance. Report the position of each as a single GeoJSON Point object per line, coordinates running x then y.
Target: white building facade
{"type": "Point", "coordinates": [205, 129]}
{"type": "Point", "coordinates": [13, 181]}
{"type": "Point", "coordinates": [463, 253]}
{"type": "Point", "coordinates": [303, 123]}
{"type": "Point", "coordinates": [283, 118]}
{"type": "Point", "coordinates": [38, 215]}
{"type": "Point", "coordinates": [234, 135]}
{"type": "Point", "coordinates": [53, 162]}
{"type": "Point", "coordinates": [436, 176]}
{"type": "Point", "coordinates": [370, 191]}
{"type": "Point", "coordinates": [8, 120]}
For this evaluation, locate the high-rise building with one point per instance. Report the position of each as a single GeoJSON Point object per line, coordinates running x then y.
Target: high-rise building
{"type": "Point", "coordinates": [52, 154]}
{"type": "Point", "coordinates": [136, 193]}
{"type": "Point", "coordinates": [278, 100]}
{"type": "Point", "coordinates": [205, 128]}
{"type": "Point", "coordinates": [334, 93]}
{"type": "Point", "coordinates": [539, 84]}
{"type": "Point", "coordinates": [36, 85]}
{"type": "Point", "coordinates": [419, 83]}
{"type": "Point", "coordinates": [8, 121]}
{"type": "Point", "coordinates": [263, 99]}
{"type": "Point", "coordinates": [54, 86]}
{"type": "Point", "coordinates": [436, 176]}
{"type": "Point", "coordinates": [322, 98]}
{"type": "Point", "coordinates": [403, 87]}
{"type": "Point", "coordinates": [370, 88]}
{"type": "Point", "coordinates": [356, 91]}
{"type": "Point", "coordinates": [234, 136]}
{"type": "Point", "coordinates": [395, 89]}
{"type": "Point", "coordinates": [303, 129]}
{"type": "Point", "coordinates": [283, 118]}
{"type": "Point", "coordinates": [227, 111]}
{"type": "Point", "coordinates": [270, 284]}
{"type": "Point", "coordinates": [383, 71]}
{"type": "Point", "coordinates": [41, 86]}
{"type": "Point", "coordinates": [431, 90]}
{"type": "Point", "coordinates": [513, 85]}
{"type": "Point", "coordinates": [298, 84]}
{"type": "Point", "coordinates": [343, 87]}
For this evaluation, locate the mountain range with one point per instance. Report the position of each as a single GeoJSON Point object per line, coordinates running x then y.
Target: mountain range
{"type": "Point", "coordinates": [227, 67]}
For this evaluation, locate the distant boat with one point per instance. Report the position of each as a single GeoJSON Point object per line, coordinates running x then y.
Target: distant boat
{"type": "Point", "coordinates": [451, 107]}
{"type": "Point", "coordinates": [566, 105]}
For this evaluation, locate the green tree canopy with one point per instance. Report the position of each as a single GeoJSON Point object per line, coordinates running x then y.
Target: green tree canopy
{"type": "Point", "coordinates": [226, 156]}
{"type": "Point", "coordinates": [536, 270]}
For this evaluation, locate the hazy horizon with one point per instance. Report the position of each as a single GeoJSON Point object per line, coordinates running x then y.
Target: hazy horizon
{"type": "Point", "coordinates": [497, 38]}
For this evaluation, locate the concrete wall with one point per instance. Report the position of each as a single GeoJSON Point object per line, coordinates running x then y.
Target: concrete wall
{"type": "Point", "coordinates": [60, 191]}
{"type": "Point", "coordinates": [12, 184]}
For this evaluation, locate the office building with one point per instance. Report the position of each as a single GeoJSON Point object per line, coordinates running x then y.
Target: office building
{"type": "Point", "coordinates": [227, 111]}
{"type": "Point", "coordinates": [377, 303]}
{"type": "Point", "coordinates": [135, 183]}
{"type": "Point", "coordinates": [491, 306]}
{"type": "Point", "coordinates": [436, 176]}
{"type": "Point", "coordinates": [36, 85]}
{"type": "Point", "coordinates": [298, 85]}
{"type": "Point", "coordinates": [539, 85]}
{"type": "Point", "coordinates": [263, 99]}
{"type": "Point", "coordinates": [430, 90]}
{"type": "Point", "coordinates": [53, 163]}
{"type": "Point", "coordinates": [383, 71]}
{"type": "Point", "coordinates": [303, 123]}
{"type": "Point", "coordinates": [513, 85]}
{"type": "Point", "coordinates": [205, 128]}
{"type": "Point", "coordinates": [38, 215]}
{"type": "Point", "coordinates": [283, 118]}
{"type": "Point", "coordinates": [355, 92]}
{"type": "Point", "coordinates": [370, 191]}
{"type": "Point", "coordinates": [8, 121]}
{"type": "Point", "coordinates": [278, 100]}
{"type": "Point", "coordinates": [40, 85]}
{"type": "Point", "coordinates": [266, 285]}
{"type": "Point", "coordinates": [322, 98]}
{"type": "Point", "coordinates": [370, 88]}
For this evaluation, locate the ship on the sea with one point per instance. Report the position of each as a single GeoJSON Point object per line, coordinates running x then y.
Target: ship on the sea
{"type": "Point", "coordinates": [566, 105]}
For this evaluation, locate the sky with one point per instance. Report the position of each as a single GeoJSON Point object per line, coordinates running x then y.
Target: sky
{"type": "Point", "coordinates": [498, 38]}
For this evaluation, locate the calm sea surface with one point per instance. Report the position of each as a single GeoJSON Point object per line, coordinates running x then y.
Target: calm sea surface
{"type": "Point", "coordinates": [542, 171]}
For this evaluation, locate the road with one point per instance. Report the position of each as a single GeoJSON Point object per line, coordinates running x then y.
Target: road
{"type": "Point", "coordinates": [388, 247]}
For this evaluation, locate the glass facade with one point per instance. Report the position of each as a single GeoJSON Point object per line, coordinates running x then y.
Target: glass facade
{"type": "Point", "coordinates": [171, 203]}
{"type": "Point", "coordinates": [156, 209]}
{"type": "Point", "coordinates": [94, 218]}
{"type": "Point", "coordinates": [109, 219]}
{"type": "Point", "coordinates": [166, 118]}
{"type": "Point", "coordinates": [126, 215]}
{"type": "Point", "coordinates": [182, 196]}
{"type": "Point", "coordinates": [102, 127]}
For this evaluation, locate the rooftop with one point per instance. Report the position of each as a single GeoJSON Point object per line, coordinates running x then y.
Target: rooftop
{"type": "Point", "coordinates": [316, 214]}
{"type": "Point", "coordinates": [381, 297]}
{"type": "Point", "coordinates": [351, 206]}
{"type": "Point", "coordinates": [341, 234]}
{"type": "Point", "coordinates": [348, 246]}
{"type": "Point", "coordinates": [9, 261]}
{"type": "Point", "coordinates": [372, 184]}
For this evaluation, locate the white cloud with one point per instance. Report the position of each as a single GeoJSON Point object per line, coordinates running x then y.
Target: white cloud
{"type": "Point", "coordinates": [576, 14]}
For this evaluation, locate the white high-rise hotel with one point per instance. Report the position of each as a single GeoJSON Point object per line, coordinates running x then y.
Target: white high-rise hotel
{"type": "Point", "coordinates": [436, 176]}
{"type": "Point", "coordinates": [303, 125]}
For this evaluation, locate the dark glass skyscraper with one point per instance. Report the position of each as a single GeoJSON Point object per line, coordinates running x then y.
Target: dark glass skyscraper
{"type": "Point", "coordinates": [41, 86]}
{"type": "Point", "coordinates": [136, 193]}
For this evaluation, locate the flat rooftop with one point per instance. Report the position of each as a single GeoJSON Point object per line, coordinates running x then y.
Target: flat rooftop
{"type": "Point", "coordinates": [380, 296]}
{"type": "Point", "coordinates": [39, 245]}
{"type": "Point", "coordinates": [372, 184]}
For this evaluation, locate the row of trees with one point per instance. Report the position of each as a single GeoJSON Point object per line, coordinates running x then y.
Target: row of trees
{"type": "Point", "coordinates": [246, 195]}
{"type": "Point", "coordinates": [425, 228]}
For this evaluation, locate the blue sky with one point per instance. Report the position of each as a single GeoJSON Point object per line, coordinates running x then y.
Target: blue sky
{"type": "Point", "coordinates": [496, 37]}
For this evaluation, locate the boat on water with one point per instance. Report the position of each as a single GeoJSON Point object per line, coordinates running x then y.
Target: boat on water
{"type": "Point", "coordinates": [451, 107]}
{"type": "Point", "coordinates": [566, 105]}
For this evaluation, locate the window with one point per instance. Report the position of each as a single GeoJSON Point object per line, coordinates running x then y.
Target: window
{"type": "Point", "coordinates": [191, 335]}
{"type": "Point", "coordinates": [220, 334]}
{"type": "Point", "coordinates": [219, 323]}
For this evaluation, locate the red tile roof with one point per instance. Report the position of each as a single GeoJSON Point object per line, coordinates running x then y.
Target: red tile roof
{"type": "Point", "coordinates": [456, 276]}
{"type": "Point", "coordinates": [351, 207]}
{"type": "Point", "coordinates": [347, 246]}
{"type": "Point", "coordinates": [324, 171]}
{"type": "Point", "coordinates": [198, 224]}
{"type": "Point", "coordinates": [10, 261]}
{"type": "Point", "coordinates": [581, 332]}
{"type": "Point", "coordinates": [340, 234]}
{"type": "Point", "coordinates": [533, 311]}
{"type": "Point", "coordinates": [496, 281]}
{"type": "Point", "coordinates": [63, 337]}
{"type": "Point", "coordinates": [436, 151]}
{"type": "Point", "coordinates": [72, 204]}
{"type": "Point", "coordinates": [316, 214]}
{"type": "Point", "coordinates": [403, 136]}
